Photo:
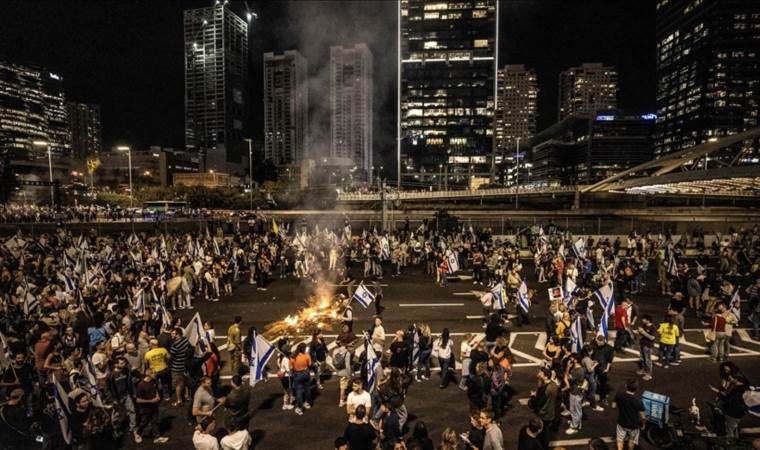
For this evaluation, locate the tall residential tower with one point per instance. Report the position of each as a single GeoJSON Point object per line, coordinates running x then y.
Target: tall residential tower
{"type": "Point", "coordinates": [587, 89]}
{"type": "Point", "coordinates": [286, 109]}
{"type": "Point", "coordinates": [351, 105]}
{"type": "Point", "coordinates": [84, 121]}
{"type": "Point", "coordinates": [216, 78]}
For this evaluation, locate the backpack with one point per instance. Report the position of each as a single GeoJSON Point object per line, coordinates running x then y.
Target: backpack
{"type": "Point", "coordinates": [339, 359]}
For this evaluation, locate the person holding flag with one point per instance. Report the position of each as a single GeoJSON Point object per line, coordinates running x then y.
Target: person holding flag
{"type": "Point", "coordinates": [523, 303]}
{"type": "Point", "coordinates": [261, 352]}
{"type": "Point", "coordinates": [606, 297]}
{"type": "Point", "coordinates": [363, 296]}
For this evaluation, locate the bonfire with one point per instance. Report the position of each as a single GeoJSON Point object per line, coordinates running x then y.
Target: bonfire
{"type": "Point", "coordinates": [321, 313]}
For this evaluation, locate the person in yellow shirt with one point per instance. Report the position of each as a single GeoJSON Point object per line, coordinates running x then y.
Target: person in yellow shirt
{"type": "Point", "coordinates": [669, 333]}
{"type": "Point", "coordinates": [157, 359]}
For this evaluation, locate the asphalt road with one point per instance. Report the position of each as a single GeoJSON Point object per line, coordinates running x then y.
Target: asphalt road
{"type": "Point", "coordinates": [414, 297]}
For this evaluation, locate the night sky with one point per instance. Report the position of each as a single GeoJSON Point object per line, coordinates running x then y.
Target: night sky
{"type": "Point", "coordinates": [128, 55]}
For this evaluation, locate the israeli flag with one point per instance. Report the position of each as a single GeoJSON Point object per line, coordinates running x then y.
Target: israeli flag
{"type": "Point", "coordinates": [385, 249]}
{"type": "Point", "coordinates": [31, 303]}
{"type": "Point", "coordinates": [672, 265]}
{"type": "Point", "coordinates": [522, 297]}
{"type": "Point", "coordinates": [138, 302]}
{"type": "Point", "coordinates": [373, 361]}
{"type": "Point", "coordinates": [499, 293]}
{"type": "Point", "coordinates": [606, 296]}
{"type": "Point", "coordinates": [261, 352]}
{"type": "Point", "coordinates": [568, 290]}
{"type": "Point", "coordinates": [736, 304]}
{"type": "Point", "coordinates": [451, 258]}
{"type": "Point", "coordinates": [132, 240]}
{"type": "Point", "coordinates": [576, 332]}
{"type": "Point", "coordinates": [195, 335]}
{"type": "Point", "coordinates": [62, 409]}
{"type": "Point", "coordinates": [415, 348]}
{"type": "Point", "coordinates": [751, 398]}
{"type": "Point", "coordinates": [5, 353]}
{"type": "Point", "coordinates": [97, 398]}
{"type": "Point", "coordinates": [579, 247]}
{"type": "Point", "coordinates": [216, 247]}
{"type": "Point", "coordinates": [363, 295]}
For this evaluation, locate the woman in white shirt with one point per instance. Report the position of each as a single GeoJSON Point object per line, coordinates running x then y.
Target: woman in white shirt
{"type": "Point", "coordinates": [378, 336]}
{"type": "Point", "coordinates": [464, 353]}
{"type": "Point", "coordinates": [284, 373]}
{"type": "Point", "coordinates": [443, 349]}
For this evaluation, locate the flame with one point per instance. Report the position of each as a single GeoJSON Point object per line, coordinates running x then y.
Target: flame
{"type": "Point", "coordinates": [320, 313]}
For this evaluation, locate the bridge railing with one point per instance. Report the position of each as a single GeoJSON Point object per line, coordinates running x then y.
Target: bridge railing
{"type": "Point", "coordinates": [463, 193]}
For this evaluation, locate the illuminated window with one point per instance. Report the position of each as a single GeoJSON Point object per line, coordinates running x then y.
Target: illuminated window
{"type": "Point", "coordinates": [435, 6]}
{"type": "Point", "coordinates": [481, 43]}
{"type": "Point", "coordinates": [431, 15]}
{"type": "Point", "coordinates": [479, 14]}
{"type": "Point", "coordinates": [458, 141]}
{"type": "Point", "coordinates": [431, 44]}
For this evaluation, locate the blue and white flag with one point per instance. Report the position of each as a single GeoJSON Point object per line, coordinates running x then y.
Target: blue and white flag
{"type": "Point", "coordinates": [606, 296]}
{"type": "Point", "coordinates": [97, 398]}
{"type": "Point", "coordinates": [160, 310]}
{"type": "Point", "coordinates": [453, 262]}
{"type": "Point", "coordinates": [363, 295]}
{"type": "Point", "coordinates": [31, 303]}
{"type": "Point", "coordinates": [5, 353]}
{"type": "Point", "coordinates": [736, 304]}
{"type": "Point", "coordinates": [69, 260]}
{"type": "Point", "coordinates": [138, 302]}
{"type": "Point", "coordinates": [133, 240]}
{"type": "Point", "coordinates": [576, 333]}
{"type": "Point", "coordinates": [385, 249]}
{"type": "Point", "coordinates": [499, 296]}
{"type": "Point", "coordinates": [195, 335]}
{"type": "Point", "coordinates": [672, 265]}
{"type": "Point", "coordinates": [751, 398]}
{"type": "Point", "coordinates": [373, 361]}
{"type": "Point", "coordinates": [522, 297]}
{"type": "Point", "coordinates": [216, 247]}
{"type": "Point", "coordinates": [579, 247]}
{"type": "Point", "coordinates": [261, 351]}
{"type": "Point", "coordinates": [568, 290]}
{"type": "Point", "coordinates": [62, 409]}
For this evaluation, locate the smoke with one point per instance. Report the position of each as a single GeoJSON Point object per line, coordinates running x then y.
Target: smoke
{"type": "Point", "coordinates": [313, 27]}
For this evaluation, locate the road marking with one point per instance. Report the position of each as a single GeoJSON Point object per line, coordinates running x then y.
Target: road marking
{"type": "Point", "coordinates": [523, 401]}
{"type": "Point", "coordinates": [744, 336]}
{"type": "Point", "coordinates": [540, 342]}
{"type": "Point", "coordinates": [509, 316]}
{"type": "Point", "coordinates": [410, 305]}
{"type": "Point", "coordinates": [536, 361]}
{"type": "Point", "coordinates": [577, 442]}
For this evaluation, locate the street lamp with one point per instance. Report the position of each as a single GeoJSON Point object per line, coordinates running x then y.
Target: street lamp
{"type": "Point", "coordinates": [50, 168]}
{"type": "Point", "coordinates": [129, 158]}
{"type": "Point", "coordinates": [250, 170]}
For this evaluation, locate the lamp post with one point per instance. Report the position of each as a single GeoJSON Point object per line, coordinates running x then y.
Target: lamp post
{"type": "Point", "coordinates": [250, 169]}
{"type": "Point", "coordinates": [50, 168]}
{"type": "Point", "coordinates": [129, 159]}
{"type": "Point", "coordinates": [517, 172]}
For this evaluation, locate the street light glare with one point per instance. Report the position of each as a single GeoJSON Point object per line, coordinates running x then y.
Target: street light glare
{"type": "Point", "coordinates": [40, 143]}
{"type": "Point", "coordinates": [122, 148]}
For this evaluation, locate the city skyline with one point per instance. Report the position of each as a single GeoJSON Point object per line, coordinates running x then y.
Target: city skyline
{"type": "Point", "coordinates": [158, 50]}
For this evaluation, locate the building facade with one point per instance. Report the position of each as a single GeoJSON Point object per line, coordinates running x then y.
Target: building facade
{"type": "Point", "coordinates": [590, 88]}
{"type": "Point", "coordinates": [286, 109]}
{"type": "Point", "coordinates": [708, 71]}
{"type": "Point", "coordinates": [583, 150]}
{"type": "Point", "coordinates": [32, 108]}
{"type": "Point", "coordinates": [447, 90]}
{"type": "Point", "coordinates": [516, 113]}
{"type": "Point", "coordinates": [84, 122]}
{"type": "Point", "coordinates": [351, 105]}
{"type": "Point", "coordinates": [216, 78]}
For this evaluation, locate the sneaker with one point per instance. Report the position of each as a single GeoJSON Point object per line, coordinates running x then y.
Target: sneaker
{"type": "Point", "coordinates": [646, 377]}
{"type": "Point", "coordinates": [676, 363]}
{"type": "Point", "coordinates": [571, 431]}
{"type": "Point", "coordinates": [299, 411]}
{"type": "Point", "coordinates": [665, 366]}
{"type": "Point", "coordinates": [585, 403]}
{"type": "Point", "coordinates": [657, 363]}
{"type": "Point", "coordinates": [565, 413]}
{"type": "Point", "coordinates": [161, 440]}
{"type": "Point", "coordinates": [306, 406]}
{"type": "Point", "coordinates": [598, 408]}
{"type": "Point", "coordinates": [639, 372]}
{"type": "Point", "coordinates": [138, 439]}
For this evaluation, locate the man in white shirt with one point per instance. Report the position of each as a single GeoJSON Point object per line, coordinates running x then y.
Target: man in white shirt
{"type": "Point", "coordinates": [236, 438]}
{"type": "Point", "coordinates": [202, 438]}
{"type": "Point", "coordinates": [358, 396]}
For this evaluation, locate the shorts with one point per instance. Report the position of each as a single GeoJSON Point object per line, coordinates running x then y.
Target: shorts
{"type": "Point", "coordinates": [627, 434]}
{"type": "Point", "coordinates": [179, 378]}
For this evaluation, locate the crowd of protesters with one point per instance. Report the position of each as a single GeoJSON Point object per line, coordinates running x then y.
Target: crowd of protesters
{"type": "Point", "coordinates": [88, 335]}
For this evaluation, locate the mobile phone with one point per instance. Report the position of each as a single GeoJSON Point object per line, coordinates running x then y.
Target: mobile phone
{"type": "Point", "coordinates": [40, 439]}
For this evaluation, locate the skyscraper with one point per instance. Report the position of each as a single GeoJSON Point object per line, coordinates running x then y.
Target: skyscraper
{"type": "Point", "coordinates": [447, 89]}
{"type": "Point", "coordinates": [708, 70]}
{"type": "Point", "coordinates": [516, 108]}
{"type": "Point", "coordinates": [32, 108]}
{"type": "Point", "coordinates": [216, 77]}
{"type": "Point", "coordinates": [589, 88]}
{"type": "Point", "coordinates": [286, 109]}
{"type": "Point", "coordinates": [351, 103]}
{"type": "Point", "coordinates": [84, 122]}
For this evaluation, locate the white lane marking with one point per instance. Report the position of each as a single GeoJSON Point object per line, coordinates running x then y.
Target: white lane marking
{"type": "Point", "coordinates": [533, 359]}
{"type": "Point", "coordinates": [540, 341]}
{"type": "Point", "coordinates": [475, 317]}
{"type": "Point", "coordinates": [744, 336]}
{"type": "Point", "coordinates": [410, 305]}
{"type": "Point", "coordinates": [577, 442]}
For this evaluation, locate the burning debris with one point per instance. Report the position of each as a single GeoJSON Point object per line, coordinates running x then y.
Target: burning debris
{"type": "Point", "coordinates": [323, 312]}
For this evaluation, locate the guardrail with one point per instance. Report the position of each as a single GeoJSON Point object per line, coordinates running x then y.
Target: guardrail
{"type": "Point", "coordinates": [424, 195]}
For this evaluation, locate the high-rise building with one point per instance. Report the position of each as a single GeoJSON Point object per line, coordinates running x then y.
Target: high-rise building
{"type": "Point", "coordinates": [84, 122]}
{"type": "Point", "coordinates": [216, 77]}
{"type": "Point", "coordinates": [351, 102]}
{"type": "Point", "coordinates": [447, 89]}
{"type": "Point", "coordinates": [32, 108]}
{"type": "Point", "coordinates": [583, 150]}
{"type": "Point", "coordinates": [286, 109]}
{"type": "Point", "coordinates": [708, 70]}
{"type": "Point", "coordinates": [588, 89]}
{"type": "Point", "coordinates": [516, 107]}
